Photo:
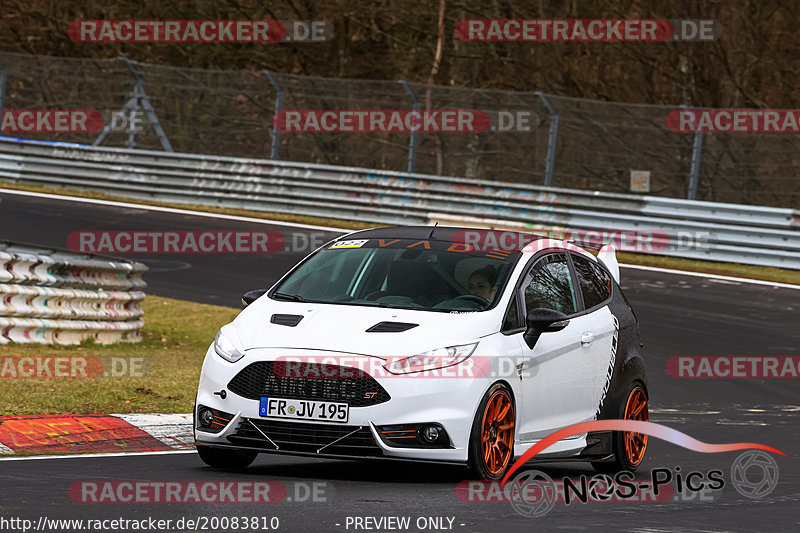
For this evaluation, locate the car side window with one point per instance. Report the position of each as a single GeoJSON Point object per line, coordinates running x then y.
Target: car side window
{"type": "Point", "coordinates": [595, 282]}
{"type": "Point", "coordinates": [511, 319]}
{"type": "Point", "coordinates": [549, 285]}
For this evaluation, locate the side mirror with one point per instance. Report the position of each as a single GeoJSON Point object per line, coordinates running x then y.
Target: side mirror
{"type": "Point", "coordinates": [251, 296]}
{"type": "Point", "coordinates": [541, 320]}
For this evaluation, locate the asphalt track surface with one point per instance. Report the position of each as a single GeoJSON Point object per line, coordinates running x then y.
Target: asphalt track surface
{"type": "Point", "coordinates": [679, 315]}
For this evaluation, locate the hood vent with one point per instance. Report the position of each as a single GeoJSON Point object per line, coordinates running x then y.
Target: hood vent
{"type": "Point", "coordinates": [391, 327]}
{"type": "Point", "coordinates": [286, 320]}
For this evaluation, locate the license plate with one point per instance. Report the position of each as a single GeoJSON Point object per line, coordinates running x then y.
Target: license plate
{"type": "Point", "coordinates": [304, 409]}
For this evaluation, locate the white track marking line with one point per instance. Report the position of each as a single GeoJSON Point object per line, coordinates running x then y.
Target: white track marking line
{"type": "Point", "coordinates": [170, 210]}
{"type": "Point", "coordinates": [91, 455]}
{"type": "Point", "coordinates": [343, 230]}
{"type": "Point", "coordinates": [713, 276]}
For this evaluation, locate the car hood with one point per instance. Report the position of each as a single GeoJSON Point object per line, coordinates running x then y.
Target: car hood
{"type": "Point", "coordinates": [342, 328]}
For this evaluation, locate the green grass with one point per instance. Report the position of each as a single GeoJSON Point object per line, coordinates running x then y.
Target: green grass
{"type": "Point", "coordinates": [709, 267]}
{"type": "Point", "coordinates": [176, 337]}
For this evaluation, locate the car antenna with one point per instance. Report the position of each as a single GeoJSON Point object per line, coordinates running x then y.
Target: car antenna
{"type": "Point", "coordinates": [433, 229]}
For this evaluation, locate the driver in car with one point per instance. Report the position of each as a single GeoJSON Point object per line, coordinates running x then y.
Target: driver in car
{"type": "Point", "coordinates": [481, 283]}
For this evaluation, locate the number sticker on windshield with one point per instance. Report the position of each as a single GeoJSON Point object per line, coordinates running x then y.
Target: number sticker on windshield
{"type": "Point", "coordinates": [348, 244]}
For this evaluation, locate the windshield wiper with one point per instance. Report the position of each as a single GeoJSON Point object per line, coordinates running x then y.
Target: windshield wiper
{"type": "Point", "coordinates": [289, 297]}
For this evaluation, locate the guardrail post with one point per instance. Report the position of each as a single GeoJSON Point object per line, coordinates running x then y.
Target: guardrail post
{"type": "Point", "coordinates": [3, 77]}
{"type": "Point", "coordinates": [276, 134]}
{"type": "Point", "coordinates": [550, 161]}
{"type": "Point", "coordinates": [413, 141]}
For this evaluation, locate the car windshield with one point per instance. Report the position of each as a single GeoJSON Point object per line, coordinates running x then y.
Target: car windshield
{"type": "Point", "coordinates": [402, 273]}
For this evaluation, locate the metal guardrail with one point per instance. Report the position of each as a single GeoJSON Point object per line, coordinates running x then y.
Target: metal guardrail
{"type": "Point", "coordinates": [682, 228]}
{"type": "Point", "coordinates": [54, 297]}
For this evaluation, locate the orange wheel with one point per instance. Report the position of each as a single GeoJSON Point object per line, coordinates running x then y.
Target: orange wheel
{"type": "Point", "coordinates": [636, 409]}
{"type": "Point", "coordinates": [628, 448]}
{"type": "Point", "coordinates": [497, 433]}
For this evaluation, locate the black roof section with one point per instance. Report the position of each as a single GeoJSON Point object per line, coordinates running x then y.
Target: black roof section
{"type": "Point", "coordinates": [440, 233]}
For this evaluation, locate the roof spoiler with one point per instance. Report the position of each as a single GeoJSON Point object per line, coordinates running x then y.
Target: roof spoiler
{"type": "Point", "coordinates": [608, 256]}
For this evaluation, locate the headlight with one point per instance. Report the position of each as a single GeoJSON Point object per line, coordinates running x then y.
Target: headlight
{"type": "Point", "coordinates": [432, 359]}
{"type": "Point", "coordinates": [226, 347]}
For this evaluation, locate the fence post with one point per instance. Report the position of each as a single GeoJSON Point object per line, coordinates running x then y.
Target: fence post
{"type": "Point", "coordinates": [550, 161]}
{"type": "Point", "coordinates": [413, 141]}
{"type": "Point", "coordinates": [142, 100]}
{"type": "Point", "coordinates": [138, 99]}
{"type": "Point", "coordinates": [694, 172]}
{"type": "Point", "coordinates": [276, 134]}
{"type": "Point", "coordinates": [694, 169]}
{"type": "Point", "coordinates": [3, 77]}
{"type": "Point", "coordinates": [135, 109]}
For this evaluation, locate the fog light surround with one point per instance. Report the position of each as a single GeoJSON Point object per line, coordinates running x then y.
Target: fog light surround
{"type": "Point", "coordinates": [426, 435]}
{"type": "Point", "coordinates": [211, 420]}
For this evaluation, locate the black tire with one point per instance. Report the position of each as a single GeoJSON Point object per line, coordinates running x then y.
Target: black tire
{"type": "Point", "coordinates": [230, 459]}
{"type": "Point", "coordinates": [621, 459]}
{"type": "Point", "coordinates": [478, 466]}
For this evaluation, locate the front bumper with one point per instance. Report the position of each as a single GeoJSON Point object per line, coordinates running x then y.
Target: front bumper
{"type": "Point", "coordinates": [448, 401]}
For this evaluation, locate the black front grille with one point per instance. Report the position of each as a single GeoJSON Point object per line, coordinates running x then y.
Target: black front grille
{"type": "Point", "coordinates": [305, 437]}
{"type": "Point", "coordinates": [308, 381]}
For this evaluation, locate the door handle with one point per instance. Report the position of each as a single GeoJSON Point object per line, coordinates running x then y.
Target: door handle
{"type": "Point", "coordinates": [587, 338]}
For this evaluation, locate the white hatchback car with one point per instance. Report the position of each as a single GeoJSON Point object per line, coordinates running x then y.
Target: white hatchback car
{"type": "Point", "coordinates": [428, 344]}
